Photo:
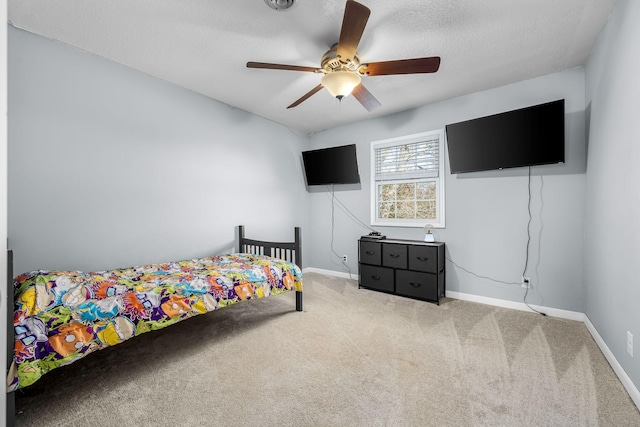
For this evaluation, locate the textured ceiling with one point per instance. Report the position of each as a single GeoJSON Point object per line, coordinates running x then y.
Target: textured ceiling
{"type": "Point", "coordinates": [205, 45]}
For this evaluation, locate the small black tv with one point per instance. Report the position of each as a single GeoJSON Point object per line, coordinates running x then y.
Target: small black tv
{"type": "Point", "coordinates": [526, 137]}
{"type": "Point", "coordinates": [334, 165]}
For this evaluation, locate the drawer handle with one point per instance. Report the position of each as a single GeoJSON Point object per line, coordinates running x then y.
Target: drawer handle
{"type": "Point", "coordinates": [421, 258]}
{"type": "Point", "coordinates": [375, 277]}
{"type": "Point", "coordinates": [370, 253]}
{"type": "Point", "coordinates": [415, 285]}
{"type": "Point", "coordinates": [394, 255]}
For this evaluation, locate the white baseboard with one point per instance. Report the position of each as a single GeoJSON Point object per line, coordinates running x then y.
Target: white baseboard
{"type": "Point", "coordinates": [554, 312]}
{"type": "Point", "coordinates": [549, 311]}
{"type": "Point", "coordinates": [341, 274]}
{"type": "Point", "coordinates": [617, 368]}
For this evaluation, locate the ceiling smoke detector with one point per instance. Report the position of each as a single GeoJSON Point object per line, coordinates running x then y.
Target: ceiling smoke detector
{"type": "Point", "coordinates": [279, 4]}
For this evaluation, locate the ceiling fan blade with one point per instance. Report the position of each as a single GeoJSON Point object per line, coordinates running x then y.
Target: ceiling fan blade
{"type": "Point", "coordinates": [355, 19]}
{"type": "Point", "coordinates": [306, 96]}
{"type": "Point", "coordinates": [402, 66]}
{"type": "Point", "coordinates": [367, 100]}
{"type": "Point", "coordinates": [270, 66]}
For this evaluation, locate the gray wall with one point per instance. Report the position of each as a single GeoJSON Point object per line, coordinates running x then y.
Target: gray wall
{"type": "Point", "coordinates": [486, 213]}
{"type": "Point", "coordinates": [109, 167]}
{"type": "Point", "coordinates": [612, 249]}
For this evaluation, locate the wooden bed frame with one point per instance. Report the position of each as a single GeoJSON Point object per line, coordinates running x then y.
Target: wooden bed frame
{"type": "Point", "coordinates": [289, 251]}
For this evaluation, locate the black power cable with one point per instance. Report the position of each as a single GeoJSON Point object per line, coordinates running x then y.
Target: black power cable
{"type": "Point", "coordinates": [526, 260]}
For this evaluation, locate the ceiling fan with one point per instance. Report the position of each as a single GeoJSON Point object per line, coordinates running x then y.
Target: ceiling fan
{"type": "Point", "coordinates": [341, 65]}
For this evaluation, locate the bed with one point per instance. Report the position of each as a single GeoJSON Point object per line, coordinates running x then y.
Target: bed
{"type": "Point", "coordinates": [62, 316]}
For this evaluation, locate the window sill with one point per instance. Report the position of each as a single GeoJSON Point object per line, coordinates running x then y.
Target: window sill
{"type": "Point", "coordinates": [411, 224]}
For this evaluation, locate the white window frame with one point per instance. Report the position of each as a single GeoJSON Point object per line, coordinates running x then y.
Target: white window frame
{"type": "Point", "coordinates": [439, 221]}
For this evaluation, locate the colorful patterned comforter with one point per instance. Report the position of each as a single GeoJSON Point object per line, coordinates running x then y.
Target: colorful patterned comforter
{"type": "Point", "coordinates": [62, 316]}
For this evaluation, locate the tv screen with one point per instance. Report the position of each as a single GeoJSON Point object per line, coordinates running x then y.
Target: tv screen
{"type": "Point", "coordinates": [334, 165]}
{"type": "Point", "coordinates": [526, 137]}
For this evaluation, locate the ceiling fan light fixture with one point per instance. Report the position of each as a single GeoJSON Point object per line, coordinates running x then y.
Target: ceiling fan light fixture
{"type": "Point", "coordinates": [279, 4]}
{"type": "Point", "coordinates": [341, 65]}
{"type": "Point", "coordinates": [340, 83]}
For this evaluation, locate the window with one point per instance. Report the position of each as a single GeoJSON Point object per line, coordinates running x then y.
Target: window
{"type": "Point", "coordinates": [407, 188]}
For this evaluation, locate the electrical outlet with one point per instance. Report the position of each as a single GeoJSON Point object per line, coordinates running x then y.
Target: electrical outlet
{"type": "Point", "coordinates": [344, 258]}
{"type": "Point", "coordinates": [630, 343]}
{"type": "Point", "coordinates": [526, 282]}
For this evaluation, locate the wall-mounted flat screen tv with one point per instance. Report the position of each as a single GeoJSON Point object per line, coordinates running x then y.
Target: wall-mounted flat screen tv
{"type": "Point", "coordinates": [527, 137]}
{"type": "Point", "coordinates": [334, 165]}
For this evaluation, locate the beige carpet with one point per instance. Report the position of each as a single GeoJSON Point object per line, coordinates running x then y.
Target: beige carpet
{"type": "Point", "coordinates": [352, 358]}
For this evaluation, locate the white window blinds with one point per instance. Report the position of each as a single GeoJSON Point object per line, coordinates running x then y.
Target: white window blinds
{"type": "Point", "coordinates": [419, 159]}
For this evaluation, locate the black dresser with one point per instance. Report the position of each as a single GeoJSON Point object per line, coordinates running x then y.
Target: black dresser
{"type": "Point", "coordinates": [411, 268]}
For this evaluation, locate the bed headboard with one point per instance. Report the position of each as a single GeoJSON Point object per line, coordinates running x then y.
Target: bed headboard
{"type": "Point", "coordinates": [289, 251]}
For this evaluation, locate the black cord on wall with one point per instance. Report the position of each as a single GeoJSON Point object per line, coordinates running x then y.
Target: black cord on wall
{"type": "Point", "coordinates": [526, 259]}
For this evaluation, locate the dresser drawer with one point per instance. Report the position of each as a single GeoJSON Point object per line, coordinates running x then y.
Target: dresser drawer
{"type": "Point", "coordinates": [379, 278]}
{"type": "Point", "coordinates": [394, 255]}
{"type": "Point", "coordinates": [371, 253]}
{"type": "Point", "coordinates": [417, 285]}
{"type": "Point", "coordinates": [423, 258]}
